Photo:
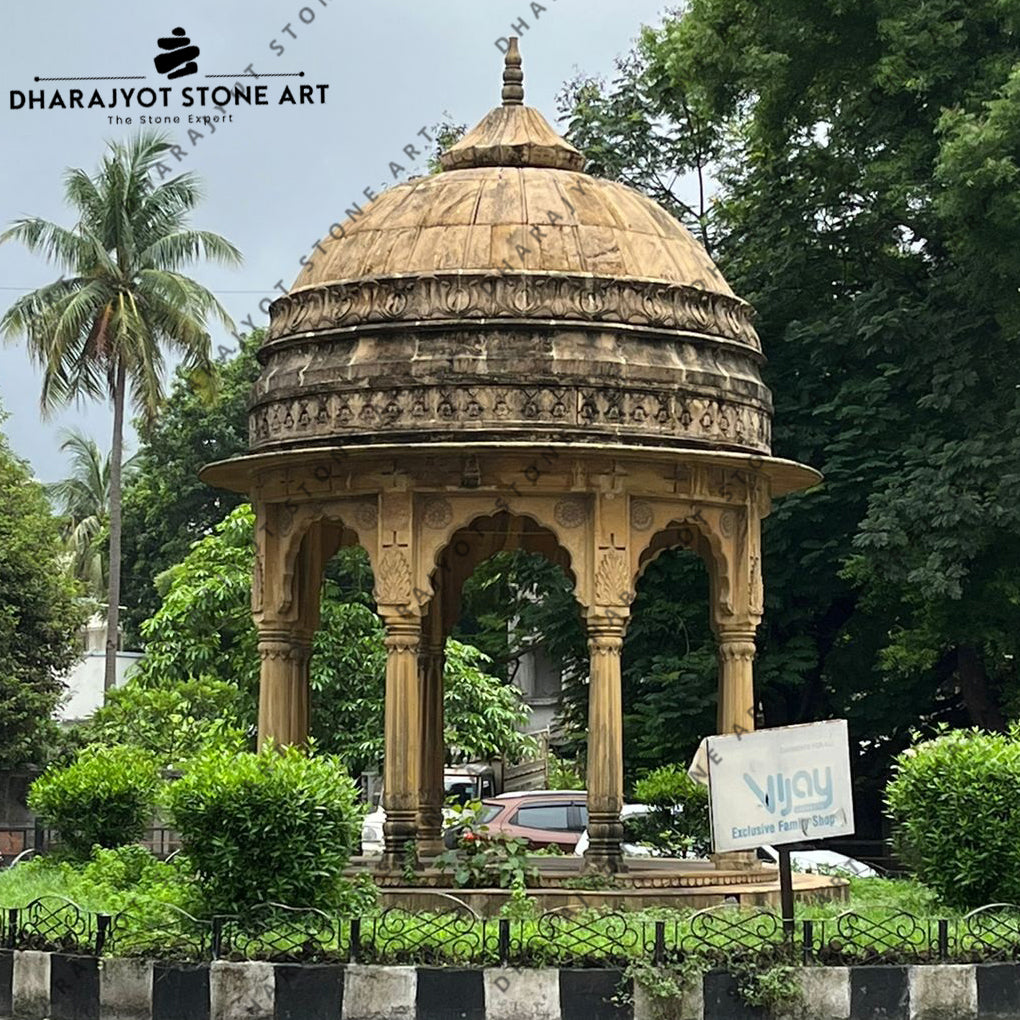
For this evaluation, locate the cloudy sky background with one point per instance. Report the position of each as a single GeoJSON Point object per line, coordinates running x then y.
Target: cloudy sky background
{"type": "Point", "coordinates": [278, 176]}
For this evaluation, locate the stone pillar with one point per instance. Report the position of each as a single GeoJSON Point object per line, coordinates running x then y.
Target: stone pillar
{"type": "Point", "coordinates": [736, 711]}
{"type": "Point", "coordinates": [605, 746]}
{"type": "Point", "coordinates": [402, 738]}
{"type": "Point", "coordinates": [286, 588]}
{"type": "Point", "coordinates": [433, 746]}
{"type": "Point", "coordinates": [736, 680]}
{"type": "Point", "coordinates": [284, 715]}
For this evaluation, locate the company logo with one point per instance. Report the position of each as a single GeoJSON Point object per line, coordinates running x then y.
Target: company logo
{"type": "Point", "coordinates": [223, 91]}
{"type": "Point", "coordinates": [802, 793]}
{"type": "Point", "coordinates": [180, 60]}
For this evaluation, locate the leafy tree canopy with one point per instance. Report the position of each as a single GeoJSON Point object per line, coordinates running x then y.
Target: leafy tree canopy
{"type": "Point", "coordinates": [166, 506]}
{"type": "Point", "coordinates": [121, 305]}
{"type": "Point", "coordinates": [864, 159]}
{"type": "Point", "coordinates": [40, 613]}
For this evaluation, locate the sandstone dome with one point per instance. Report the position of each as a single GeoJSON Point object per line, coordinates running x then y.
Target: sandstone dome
{"type": "Point", "coordinates": [513, 299]}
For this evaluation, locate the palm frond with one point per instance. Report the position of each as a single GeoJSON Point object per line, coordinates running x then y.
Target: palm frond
{"type": "Point", "coordinates": [56, 244]}
{"type": "Point", "coordinates": [171, 251]}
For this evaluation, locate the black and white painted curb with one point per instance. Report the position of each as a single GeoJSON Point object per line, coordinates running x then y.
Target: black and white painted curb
{"type": "Point", "coordinates": [53, 986]}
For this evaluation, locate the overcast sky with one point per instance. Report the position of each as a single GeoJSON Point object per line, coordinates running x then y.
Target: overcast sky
{"type": "Point", "coordinates": [277, 177]}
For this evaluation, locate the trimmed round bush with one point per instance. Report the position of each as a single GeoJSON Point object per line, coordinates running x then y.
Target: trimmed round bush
{"type": "Point", "coordinates": [955, 806]}
{"type": "Point", "coordinates": [272, 827]}
{"type": "Point", "coordinates": [679, 822]}
{"type": "Point", "coordinates": [105, 798]}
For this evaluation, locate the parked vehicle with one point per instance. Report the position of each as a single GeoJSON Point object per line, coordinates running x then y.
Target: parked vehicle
{"type": "Point", "coordinates": [631, 847]}
{"type": "Point", "coordinates": [544, 818]}
{"type": "Point", "coordinates": [825, 862]}
{"type": "Point", "coordinates": [462, 784]}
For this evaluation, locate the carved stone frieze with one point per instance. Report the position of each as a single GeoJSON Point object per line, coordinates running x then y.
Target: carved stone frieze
{"type": "Point", "coordinates": [636, 415]}
{"type": "Point", "coordinates": [437, 513]}
{"type": "Point", "coordinates": [459, 296]}
{"type": "Point", "coordinates": [570, 513]}
{"type": "Point", "coordinates": [642, 515]}
{"type": "Point", "coordinates": [366, 514]}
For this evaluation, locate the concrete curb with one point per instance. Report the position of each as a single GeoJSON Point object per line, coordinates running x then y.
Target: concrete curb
{"type": "Point", "coordinates": [57, 986]}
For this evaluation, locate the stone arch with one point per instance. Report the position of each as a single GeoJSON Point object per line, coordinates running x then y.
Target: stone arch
{"type": "Point", "coordinates": [294, 542]}
{"type": "Point", "coordinates": [285, 534]}
{"type": "Point", "coordinates": [568, 519]}
{"type": "Point", "coordinates": [728, 539]}
{"type": "Point", "coordinates": [700, 538]}
{"type": "Point", "coordinates": [464, 545]}
{"type": "Point", "coordinates": [468, 553]}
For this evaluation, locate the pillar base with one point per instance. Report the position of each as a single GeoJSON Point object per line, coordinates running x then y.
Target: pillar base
{"type": "Point", "coordinates": [603, 864]}
{"type": "Point", "coordinates": [735, 860]}
{"type": "Point", "coordinates": [400, 831]}
{"type": "Point", "coordinates": [605, 834]}
{"type": "Point", "coordinates": [430, 846]}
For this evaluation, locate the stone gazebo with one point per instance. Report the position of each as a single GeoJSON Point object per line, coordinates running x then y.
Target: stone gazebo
{"type": "Point", "coordinates": [507, 354]}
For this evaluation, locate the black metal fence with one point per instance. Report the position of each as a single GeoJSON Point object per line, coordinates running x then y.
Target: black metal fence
{"type": "Point", "coordinates": [457, 935]}
{"type": "Point", "coordinates": [160, 840]}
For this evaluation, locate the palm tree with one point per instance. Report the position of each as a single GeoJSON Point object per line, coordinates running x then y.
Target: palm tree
{"type": "Point", "coordinates": [102, 330]}
{"type": "Point", "coordinates": [83, 500]}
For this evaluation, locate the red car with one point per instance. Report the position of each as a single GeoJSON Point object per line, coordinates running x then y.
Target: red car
{"type": "Point", "coordinates": [542, 817]}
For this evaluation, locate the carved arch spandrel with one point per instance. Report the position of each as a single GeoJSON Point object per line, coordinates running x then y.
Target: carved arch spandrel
{"type": "Point", "coordinates": [728, 540]}
{"type": "Point", "coordinates": [282, 535]}
{"type": "Point", "coordinates": [438, 518]}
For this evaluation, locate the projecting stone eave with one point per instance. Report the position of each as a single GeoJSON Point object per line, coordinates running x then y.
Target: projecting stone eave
{"type": "Point", "coordinates": [238, 474]}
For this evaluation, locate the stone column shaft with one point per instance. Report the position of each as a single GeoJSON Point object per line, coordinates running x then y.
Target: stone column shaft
{"type": "Point", "coordinates": [736, 680]}
{"type": "Point", "coordinates": [402, 763]}
{"type": "Point", "coordinates": [605, 748]}
{"type": "Point", "coordinates": [284, 715]}
{"type": "Point", "coordinates": [736, 709]}
{"type": "Point", "coordinates": [433, 748]}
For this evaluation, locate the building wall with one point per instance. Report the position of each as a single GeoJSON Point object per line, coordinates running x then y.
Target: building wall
{"type": "Point", "coordinates": [85, 684]}
{"type": "Point", "coordinates": [85, 681]}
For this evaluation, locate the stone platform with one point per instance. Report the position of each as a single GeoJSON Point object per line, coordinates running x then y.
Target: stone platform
{"type": "Point", "coordinates": [646, 882]}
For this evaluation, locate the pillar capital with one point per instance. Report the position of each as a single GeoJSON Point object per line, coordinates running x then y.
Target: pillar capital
{"type": "Point", "coordinates": [607, 622]}
{"type": "Point", "coordinates": [403, 633]}
{"type": "Point", "coordinates": [282, 645]}
{"type": "Point", "coordinates": [601, 643]}
{"type": "Point", "coordinates": [736, 645]}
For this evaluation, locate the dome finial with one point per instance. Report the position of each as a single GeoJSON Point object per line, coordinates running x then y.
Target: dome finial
{"type": "Point", "coordinates": [513, 76]}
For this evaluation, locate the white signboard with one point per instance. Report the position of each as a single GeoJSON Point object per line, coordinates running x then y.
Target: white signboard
{"type": "Point", "coordinates": [780, 785]}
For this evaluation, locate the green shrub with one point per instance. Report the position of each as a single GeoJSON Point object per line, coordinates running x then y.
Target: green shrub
{"type": "Point", "coordinates": [564, 775]}
{"type": "Point", "coordinates": [679, 822]}
{"type": "Point", "coordinates": [955, 806]}
{"type": "Point", "coordinates": [276, 826]}
{"type": "Point", "coordinates": [105, 798]}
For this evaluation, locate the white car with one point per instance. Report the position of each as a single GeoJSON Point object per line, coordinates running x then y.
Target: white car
{"type": "Point", "coordinates": [372, 832]}
{"type": "Point", "coordinates": [824, 862]}
{"type": "Point", "coordinates": [628, 849]}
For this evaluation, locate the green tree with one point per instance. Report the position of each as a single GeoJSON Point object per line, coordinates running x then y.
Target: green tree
{"type": "Point", "coordinates": [961, 774]}
{"type": "Point", "coordinates": [104, 328]}
{"type": "Point", "coordinates": [173, 722]}
{"type": "Point", "coordinates": [83, 499]}
{"type": "Point", "coordinates": [862, 156]}
{"type": "Point", "coordinates": [166, 506]}
{"type": "Point", "coordinates": [203, 633]}
{"type": "Point", "coordinates": [40, 614]}
{"type": "Point", "coordinates": [267, 828]}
